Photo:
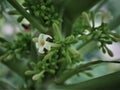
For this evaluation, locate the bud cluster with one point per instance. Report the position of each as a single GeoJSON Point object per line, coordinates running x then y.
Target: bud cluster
{"type": "Point", "coordinates": [42, 10]}
{"type": "Point", "coordinates": [17, 48]}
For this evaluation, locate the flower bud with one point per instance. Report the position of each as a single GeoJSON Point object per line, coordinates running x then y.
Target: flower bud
{"type": "Point", "coordinates": [29, 72]}
{"type": "Point", "coordinates": [35, 39]}
{"type": "Point", "coordinates": [9, 57]}
{"type": "Point", "coordinates": [38, 76]}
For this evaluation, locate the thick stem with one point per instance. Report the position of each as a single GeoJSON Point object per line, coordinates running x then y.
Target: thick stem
{"type": "Point", "coordinates": [32, 20]}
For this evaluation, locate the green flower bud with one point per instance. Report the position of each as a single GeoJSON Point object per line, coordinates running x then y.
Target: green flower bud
{"type": "Point", "coordinates": [43, 7]}
{"type": "Point", "coordinates": [49, 55]}
{"type": "Point", "coordinates": [116, 35]}
{"type": "Point", "coordinates": [52, 71]}
{"type": "Point", "coordinates": [32, 64]}
{"type": "Point", "coordinates": [18, 50]}
{"type": "Point", "coordinates": [110, 52]}
{"type": "Point", "coordinates": [97, 34]}
{"type": "Point", "coordinates": [20, 18]}
{"type": "Point", "coordinates": [36, 13]}
{"type": "Point", "coordinates": [86, 18]}
{"type": "Point", "coordinates": [68, 58]}
{"type": "Point", "coordinates": [114, 39]}
{"type": "Point", "coordinates": [46, 17]}
{"type": "Point", "coordinates": [29, 72]}
{"type": "Point", "coordinates": [89, 74]}
{"type": "Point", "coordinates": [103, 49]}
{"type": "Point", "coordinates": [57, 32]}
{"type": "Point", "coordinates": [9, 57]}
{"type": "Point", "coordinates": [108, 42]}
{"type": "Point", "coordinates": [35, 39]}
{"type": "Point", "coordinates": [71, 39]}
{"type": "Point", "coordinates": [38, 76]}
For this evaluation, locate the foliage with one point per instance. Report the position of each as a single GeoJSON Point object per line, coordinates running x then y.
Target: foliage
{"type": "Point", "coordinates": [64, 59]}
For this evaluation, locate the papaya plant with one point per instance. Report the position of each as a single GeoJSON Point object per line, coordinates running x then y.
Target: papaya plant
{"type": "Point", "coordinates": [52, 48]}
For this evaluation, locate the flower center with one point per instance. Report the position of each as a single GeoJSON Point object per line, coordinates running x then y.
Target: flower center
{"type": "Point", "coordinates": [42, 43]}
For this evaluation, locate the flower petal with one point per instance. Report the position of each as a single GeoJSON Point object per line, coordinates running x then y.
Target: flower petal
{"type": "Point", "coordinates": [47, 46]}
{"type": "Point", "coordinates": [37, 46]}
{"type": "Point", "coordinates": [41, 50]}
{"type": "Point", "coordinates": [44, 37]}
{"type": "Point", "coordinates": [47, 36]}
{"type": "Point", "coordinates": [41, 37]}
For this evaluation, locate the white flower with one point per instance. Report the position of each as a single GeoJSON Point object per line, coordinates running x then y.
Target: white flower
{"type": "Point", "coordinates": [43, 43]}
{"type": "Point", "coordinates": [86, 32]}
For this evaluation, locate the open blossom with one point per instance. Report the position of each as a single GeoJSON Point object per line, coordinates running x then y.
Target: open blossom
{"type": "Point", "coordinates": [43, 43]}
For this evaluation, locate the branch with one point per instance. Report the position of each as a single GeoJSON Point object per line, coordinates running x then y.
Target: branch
{"type": "Point", "coordinates": [32, 20]}
{"type": "Point", "coordinates": [84, 44]}
{"type": "Point", "coordinates": [69, 73]}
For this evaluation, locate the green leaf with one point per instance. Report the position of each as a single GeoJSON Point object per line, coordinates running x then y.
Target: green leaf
{"type": "Point", "coordinates": [2, 40]}
{"type": "Point", "coordinates": [18, 67]}
{"type": "Point", "coordinates": [4, 85]}
{"type": "Point", "coordinates": [106, 82]}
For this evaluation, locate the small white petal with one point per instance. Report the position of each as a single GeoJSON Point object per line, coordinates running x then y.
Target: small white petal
{"type": "Point", "coordinates": [41, 37]}
{"type": "Point", "coordinates": [86, 32]}
{"type": "Point", "coordinates": [47, 36]}
{"type": "Point", "coordinates": [44, 37]}
{"type": "Point", "coordinates": [41, 50]}
{"type": "Point", "coordinates": [37, 46]}
{"type": "Point", "coordinates": [40, 45]}
{"type": "Point", "coordinates": [47, 46]}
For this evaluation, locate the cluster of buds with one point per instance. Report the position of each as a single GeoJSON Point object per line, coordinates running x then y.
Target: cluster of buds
{"type": "Point", "coordinates": [43, 10]}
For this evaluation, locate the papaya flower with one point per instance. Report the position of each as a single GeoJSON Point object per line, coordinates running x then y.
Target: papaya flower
{"type": "Point", "coordinates": [44, 43]}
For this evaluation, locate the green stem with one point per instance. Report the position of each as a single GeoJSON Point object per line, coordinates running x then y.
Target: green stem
{"type": "Point", "coordinates": [67, 74]}
{"type": "Point", "coordinates": [84, 44]}
{"type": "Point", "coordinates": [32, 20]}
